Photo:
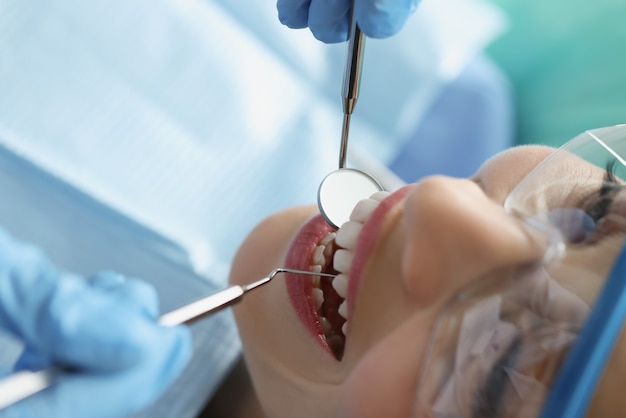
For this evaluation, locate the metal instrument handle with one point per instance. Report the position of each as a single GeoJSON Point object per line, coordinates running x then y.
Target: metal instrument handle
{"type": "Point", "coordinates": [351, 82]}
{"type": "Point", "coordinates": [354, 64]}
{"type": "Point", "coordinates": [202, 307]}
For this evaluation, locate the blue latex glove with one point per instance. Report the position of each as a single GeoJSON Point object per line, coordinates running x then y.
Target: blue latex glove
{"type": "Point", "coordinates": [103, 328]}
{"type": "Point", "coordinates": [329, 20]}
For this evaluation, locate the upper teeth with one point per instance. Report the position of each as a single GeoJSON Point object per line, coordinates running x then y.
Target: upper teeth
{"type": "Point", "coordinates": [342, 260]}
{"type": "Point", "coordinates": [340, 284]}
{"type": "Point", "coordinates": [380, 196]}
{"type": "Point", "coordinates": [348, 233]}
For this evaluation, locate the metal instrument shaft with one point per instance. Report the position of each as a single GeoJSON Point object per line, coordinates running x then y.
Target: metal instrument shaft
{"type": "Point", "coordinates": [351, 82]}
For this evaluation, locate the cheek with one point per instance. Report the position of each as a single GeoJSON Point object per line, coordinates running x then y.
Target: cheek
{"type": "Point", "coordinates": [384, 381]}
{"type": "Point", "coordinates": [266, 245]}
{"type": "Point", "coordinates": [584, 270]}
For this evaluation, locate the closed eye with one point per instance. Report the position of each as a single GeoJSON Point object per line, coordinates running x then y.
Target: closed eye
{"type": "Point", "coordinates": [600, 206]}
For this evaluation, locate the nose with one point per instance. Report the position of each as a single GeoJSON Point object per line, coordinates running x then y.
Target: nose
{"type": "Point", "coordinates": [456, 235]}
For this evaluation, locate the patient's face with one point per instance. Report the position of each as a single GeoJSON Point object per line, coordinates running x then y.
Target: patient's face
{"type": "Point", "coordinates": [404, 257]}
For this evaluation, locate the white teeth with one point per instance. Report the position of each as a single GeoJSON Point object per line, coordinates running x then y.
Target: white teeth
{"type": "Point", "coordinates": [340, 284]}
{"type": "Point", "coordinates": [343, 309]}
{"type": "Point", "coordinates": [342, 261]}
{"type": "Point", "coordinates": [315, 280]}
{"type": "Point", "coordinates": [347, 234]}
{"type": "Point", "coordinates": [318, 295]}
{"type": "Point", "coordinates": [363, 210]}
{"type": "Point", "coordinates": [325, 324]}
{"type": "Point", "coordinates": [328, 251]}
{"type": "Point", "coordinates": [328, 238]}
{"type": "Point", "coordinates": [380, 196]}
{"type": "Point", "coordinates": [344, 328]}
{"type": "Point", "coordinates": [318, 255]}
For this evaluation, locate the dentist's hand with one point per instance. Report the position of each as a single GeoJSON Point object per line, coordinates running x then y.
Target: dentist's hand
{"type": "Point", "coordinates": [329, 20]}
{"type": "Point", "coordinates": [103, 329]}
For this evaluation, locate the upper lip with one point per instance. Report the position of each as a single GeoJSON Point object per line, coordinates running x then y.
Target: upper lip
{"type": "Point", "coordinates": [365, 243]}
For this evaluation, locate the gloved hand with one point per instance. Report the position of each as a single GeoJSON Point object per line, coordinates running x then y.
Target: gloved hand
{"type": "Point", "coordinates": [329, 20]}
{"type": "Point", "coordinates": [103, 329]}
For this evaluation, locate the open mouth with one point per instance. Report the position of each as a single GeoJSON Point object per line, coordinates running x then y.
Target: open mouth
{"type": "Point", "coordinates": [324, 304]}
{"type": "Point", "coordinates": [333, 255]}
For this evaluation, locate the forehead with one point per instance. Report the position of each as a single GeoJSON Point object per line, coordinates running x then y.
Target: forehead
{"type": "Point", "coordinates": [499, 175]}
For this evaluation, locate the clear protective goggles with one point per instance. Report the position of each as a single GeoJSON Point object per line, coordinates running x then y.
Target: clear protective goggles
{"type": "Point", "coordinates": [533, 341]}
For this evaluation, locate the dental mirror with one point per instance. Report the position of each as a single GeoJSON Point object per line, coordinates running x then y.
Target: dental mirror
{"type": "Point", "coordinates": [342, 189]}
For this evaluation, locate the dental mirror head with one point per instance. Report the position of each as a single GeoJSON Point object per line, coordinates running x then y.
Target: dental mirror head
{"type": "Point", "coordinates": [341, 190]}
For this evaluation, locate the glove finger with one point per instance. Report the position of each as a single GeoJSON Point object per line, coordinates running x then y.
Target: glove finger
{"type": "Point", "coordinates": [133, 290]}
{"type": "Point", "coordinates": [91, 328]}
{"type": "Point", "coordinates": [383, 18]}
{"type": "Point", "coordinates": [31, 359]}
{"type": "Point", "coordinates": [144, 295]}
{"type": "Point", "coordinates": [293, 13]}
{"type": "Point", "coordinates": [27, 281]}
{"type": "Point", "coordinates": [96, 395]}
{"type": "Point", "coordinates": [106, 280]}
{"type": "Point", "coordinates": [329, 20]}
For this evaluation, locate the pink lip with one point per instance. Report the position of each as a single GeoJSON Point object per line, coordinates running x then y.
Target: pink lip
{"type": "Point", "coordinates": [365, 243]}
{"type": "Point", "coordinates": [300, 287]}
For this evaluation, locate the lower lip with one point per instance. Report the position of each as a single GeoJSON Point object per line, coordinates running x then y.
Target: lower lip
{"type": "Point", "coordinates": [300, 287]}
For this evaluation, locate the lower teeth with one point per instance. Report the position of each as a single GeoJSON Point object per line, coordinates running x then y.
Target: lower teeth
{"type": "Point", "coordinates": [336, 344]}
{"type": "Point", "coordinates": [331, 321]}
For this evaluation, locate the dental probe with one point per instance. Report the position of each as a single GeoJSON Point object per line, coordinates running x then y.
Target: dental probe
{"type": "Point", "coordinates": [222, 299]}
{"type": "Point", "coordinates": [342, 189]}
{"type": "Point", "coordinates": [26, 383]}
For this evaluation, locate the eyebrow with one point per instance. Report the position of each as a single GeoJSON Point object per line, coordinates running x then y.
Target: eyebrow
{"type": "Point", "coordinates": [490, 395]}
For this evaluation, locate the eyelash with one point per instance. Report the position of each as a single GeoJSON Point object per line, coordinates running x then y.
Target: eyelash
{"type": "Point", "coordinates": [599, 208]}
{"type": "Point", "coordinates": [585, 225]}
